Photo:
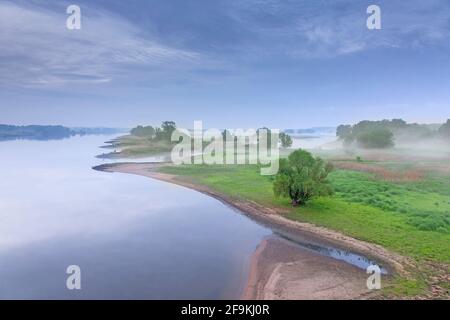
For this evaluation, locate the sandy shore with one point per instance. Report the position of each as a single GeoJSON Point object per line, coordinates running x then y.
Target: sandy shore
{"type": "Point", "coordinates": [281, 270]}
{"type": "Point", "coordinates": [278, 268]}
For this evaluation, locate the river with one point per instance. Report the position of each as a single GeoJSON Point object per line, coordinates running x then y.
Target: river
{"type": "Point", "coordinates": [132, 237]}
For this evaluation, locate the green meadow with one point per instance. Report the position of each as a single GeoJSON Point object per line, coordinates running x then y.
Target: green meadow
{"type": "Point", "coordinates": [410, 218]}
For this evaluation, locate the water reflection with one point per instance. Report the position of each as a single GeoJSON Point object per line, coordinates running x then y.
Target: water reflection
{"type": "Point", "coordinates": [338, 254]}
{"type": "Point", "coordinates": [132, 237]}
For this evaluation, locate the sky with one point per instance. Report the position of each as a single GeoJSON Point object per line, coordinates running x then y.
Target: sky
{"type": "Point", "coordinates": [228, 63]}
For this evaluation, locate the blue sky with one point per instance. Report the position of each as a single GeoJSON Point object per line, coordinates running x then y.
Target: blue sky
{"type": "Point", "coordinates": [230, 63]}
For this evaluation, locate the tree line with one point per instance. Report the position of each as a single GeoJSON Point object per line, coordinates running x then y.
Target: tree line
{"type": "Point", "coordinates": [384, 133]}
{"type": "Point", "coordinates": [164, 133]}
{"type": "Point", "coordinates": [300, 178]}
{"type": "Point", "coordinates": [49, 132]}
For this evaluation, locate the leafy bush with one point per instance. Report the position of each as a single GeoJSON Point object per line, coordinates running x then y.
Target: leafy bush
{"type": "Point", "coordinates": [430, 223]}
{"type": "Point", "coordinates": [301, 177]}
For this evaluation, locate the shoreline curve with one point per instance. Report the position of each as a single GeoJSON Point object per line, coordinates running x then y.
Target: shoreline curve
{"type": "Point", "coordinates": [264, 278]}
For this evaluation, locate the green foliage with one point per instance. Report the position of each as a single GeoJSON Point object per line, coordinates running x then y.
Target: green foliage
{"type": "Point", "coordinates": [416, 201]}
{"type": "Point", "coordinates": [140, 131]}
{"type": "Point", "coordinates": [365, 126]}
{"type": "Point", "coordinates": [343, 131]}
{"type": "Point", "coordinates": [243, 181]}
{"type": "Point", "coordinates": [376, 138]}
{"type": "Point", "coordinates": [381, 134]}
{"type": "Point", "coordinates": [286, 140]}
{"type": "Point", "coordinates": [167, 128]}
{"type": "Point", "coordinates": [160, 134]}
{"type": "Point", "coordinates": [430, 221]}
{"type": "Point", "coordinates": [351, 211]}
{"type": "Point", "coordinates": [301, 177]}
{"type": "Point", "coordinates": [408, 287]}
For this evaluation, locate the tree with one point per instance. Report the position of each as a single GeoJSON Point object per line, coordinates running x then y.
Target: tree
{"type": "Point", "coordinates": [302, 177]}
{"type": "Point", "coordinates": [286, 140]}
{"type": "Point", "coordinates": [398, 123]}
{"type": "Point", "coordinates": [166, 130]}
{"type": "Point", "coordinates": [343, 131]}
{"type": "Point", "coordinates": [376, 138]}
{"type": "Point", "coordinates": [141, 131]}
{"type": "Point", "coordinates": [168, 127]}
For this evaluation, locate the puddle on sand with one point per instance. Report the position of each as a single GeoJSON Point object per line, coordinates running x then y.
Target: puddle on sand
{"type": "Point", "coordinates": [349, 257]}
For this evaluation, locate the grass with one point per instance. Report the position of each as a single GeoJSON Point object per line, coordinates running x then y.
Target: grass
{"type": "Point", "coordinates": [410, 218]}
{"type": "Point", "coordinates": [425, 204]}
{"type": "Point", "coordinates": [132, 146]}
{"type": "Point", "coordinates": [242, 181]}
{"type": "Point", "coordinates": [379, 198]}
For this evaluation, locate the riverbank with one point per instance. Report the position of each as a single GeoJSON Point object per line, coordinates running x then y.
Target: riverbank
{"type": "Point", "coordinates": [280, 270]}
{"type": "Point", "coordinates": [283, 275]}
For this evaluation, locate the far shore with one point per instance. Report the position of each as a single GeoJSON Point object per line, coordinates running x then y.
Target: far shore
{"type": "Point", "coordinates": [279, 271]}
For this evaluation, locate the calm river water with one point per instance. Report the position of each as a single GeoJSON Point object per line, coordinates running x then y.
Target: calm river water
{"type": "Point", "coordinates": [132, 237]}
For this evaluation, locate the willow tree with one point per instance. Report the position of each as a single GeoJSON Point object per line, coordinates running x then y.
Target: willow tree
{"type": "Point", "coordinates": [302, 177]}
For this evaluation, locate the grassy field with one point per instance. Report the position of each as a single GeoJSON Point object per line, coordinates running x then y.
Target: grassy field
{"type": "Point", "coordinates": [411, 218]}
{"type": "Point", "coordinates": [132, 146]}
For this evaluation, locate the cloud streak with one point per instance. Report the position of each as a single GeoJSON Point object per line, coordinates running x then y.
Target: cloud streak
{"type": "Point", "coordinates": [330, 28]}
{"type": "Point", "coordinates": [37, 49]}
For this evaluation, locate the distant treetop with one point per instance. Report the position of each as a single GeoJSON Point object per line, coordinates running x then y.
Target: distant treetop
{"type": "Point", "coordinates": [382, 134]}
{"type": "Point", "coordinates": [155, 133]}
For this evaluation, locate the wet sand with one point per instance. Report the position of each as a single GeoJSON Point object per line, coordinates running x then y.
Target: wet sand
{"type": "Point", "coordinates": [279, 269]}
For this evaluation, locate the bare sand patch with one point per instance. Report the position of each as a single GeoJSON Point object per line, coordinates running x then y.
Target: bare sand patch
{"type": "Point", "coordinates": [280, 270]}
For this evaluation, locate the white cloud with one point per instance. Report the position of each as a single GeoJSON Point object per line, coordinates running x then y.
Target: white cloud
{"type": "Point", "coordinates": [38, 49]}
